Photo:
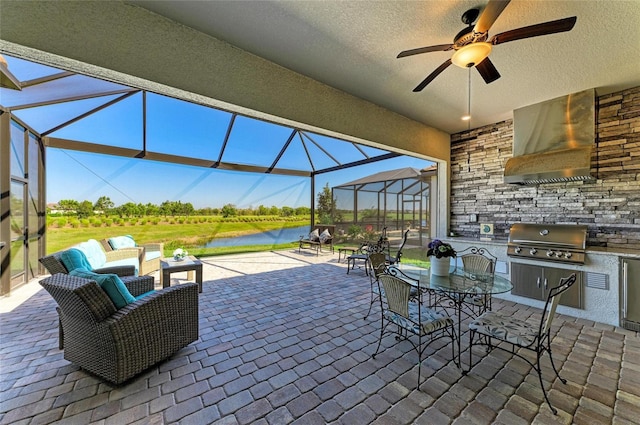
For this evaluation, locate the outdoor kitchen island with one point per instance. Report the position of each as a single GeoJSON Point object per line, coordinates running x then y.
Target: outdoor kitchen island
{"type": "Point", "coordinates": [600, 285]}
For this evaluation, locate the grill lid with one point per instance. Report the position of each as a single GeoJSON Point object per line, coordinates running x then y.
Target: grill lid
{"type": "Point", "coordinates": [550, 242]}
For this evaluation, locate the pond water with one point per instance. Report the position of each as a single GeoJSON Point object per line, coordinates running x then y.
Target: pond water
{"type": "Point", "coordinates": [272, 237]}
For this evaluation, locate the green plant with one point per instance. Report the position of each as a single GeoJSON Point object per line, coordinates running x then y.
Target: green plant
{"type": "Point", "coordinates": [354, 231]}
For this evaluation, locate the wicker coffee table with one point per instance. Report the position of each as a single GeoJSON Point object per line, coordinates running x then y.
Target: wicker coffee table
{"type": "Point", "coordinates": [189, 265]}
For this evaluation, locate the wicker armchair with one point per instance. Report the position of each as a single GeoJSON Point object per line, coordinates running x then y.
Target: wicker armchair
{"type": "Point", "coordinates": [149, 254]}
{"type": "Point", "coordinates": [118, 344]}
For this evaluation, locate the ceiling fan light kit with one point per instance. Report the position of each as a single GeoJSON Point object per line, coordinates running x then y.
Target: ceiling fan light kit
{"type": "Point", "coordinates": [472, 44]}
{"type": "Point", "coordinates": [471, 54]}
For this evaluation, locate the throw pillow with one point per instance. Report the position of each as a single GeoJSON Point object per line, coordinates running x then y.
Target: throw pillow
{"type": "Point", "coordinates": [325, 236]}
{"type": "Point", "coordinates": [314, 236]}
{"type": "Point", "coordinates": [94, 252]}
{"type": "Point", "coordinates": [111, 284]}
{"type": "Point", "coordinates": [74, 259]}
{"type": "Point", "coordinates": [120, 242]}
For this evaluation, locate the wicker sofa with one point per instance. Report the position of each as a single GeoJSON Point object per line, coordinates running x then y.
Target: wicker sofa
{"type": "Point", "coordinates": [149, 254]}
{"type": "Point", "coordinates": [121, 262]}
{"type": "Point", "coordinates": [118, 344]}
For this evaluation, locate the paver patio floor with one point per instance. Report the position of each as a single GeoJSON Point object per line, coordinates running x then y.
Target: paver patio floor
{"type": "Point", "coordinates": [283, 340]}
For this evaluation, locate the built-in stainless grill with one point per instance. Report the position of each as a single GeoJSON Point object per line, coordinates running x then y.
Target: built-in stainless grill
{"type": "Point", "coordinates": [559, 243]}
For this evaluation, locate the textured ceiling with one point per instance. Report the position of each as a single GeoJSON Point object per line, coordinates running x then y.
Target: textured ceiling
{"type": "Point", "coordinates": [352, 46]}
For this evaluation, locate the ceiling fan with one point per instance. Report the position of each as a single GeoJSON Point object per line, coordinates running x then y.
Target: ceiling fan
{"type": "Point", "coordinates": [472, 45]}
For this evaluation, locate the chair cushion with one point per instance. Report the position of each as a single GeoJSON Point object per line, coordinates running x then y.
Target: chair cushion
{"type": "Point", "coordinates": [314, 236]}
{"type": "Point", "coordinates": [431, 320]}
{"type": "Point", "coordinates": [120, 242]}
{"type": "Point", "coordinates": [152, 255]}
{"type": "Point", "coordinates": [111, 284]}
{"type": "Point", "coordinates": [74, 259]}
{"type": "Point", "coordinates": [325, 236]}
{"type": "Point", "coordinates": [94, 252]}
{"type": "Point", "coordinates": [145, 294]}
{"type": "Point", "coordinates": [509, 329]}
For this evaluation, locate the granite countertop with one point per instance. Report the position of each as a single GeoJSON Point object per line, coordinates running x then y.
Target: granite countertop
{"type": "Point", "coordinates": [623, 252]}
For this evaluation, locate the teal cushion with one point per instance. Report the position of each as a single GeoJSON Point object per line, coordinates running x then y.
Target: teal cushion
{"type": "Point", "coordinates": [145, 294]}
{"type": "Point", "coordinates": [75, 259]}
{"type": "Point", "coordinates": [120, 242]}
{"type": "Point", "coordinates": [111, 284]}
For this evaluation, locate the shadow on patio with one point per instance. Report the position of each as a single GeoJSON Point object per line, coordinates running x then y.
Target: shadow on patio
{"type": "Point", "coordinates": [283, 340]}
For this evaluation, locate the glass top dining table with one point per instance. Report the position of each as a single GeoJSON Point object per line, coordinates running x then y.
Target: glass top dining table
{"type": "Point", "coordinates": [460, 289]}
{"type": "Point", "coordinates": [458, 281]}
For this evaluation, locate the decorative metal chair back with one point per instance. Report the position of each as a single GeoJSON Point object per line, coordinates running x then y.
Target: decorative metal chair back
{"type": "Point", "coordinates": [396, 259]}
{"type": "Point", "coordinates": [397, 293]}
{"type": "Point", "coordinates": [377, 261]}
{"type": "Point", "coordinates": [552, 303]}
{"type": "Point", "coordinates": [477, 260]}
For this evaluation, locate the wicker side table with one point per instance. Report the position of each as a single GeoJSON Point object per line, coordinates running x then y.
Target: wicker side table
{"type": "Point", "coordinates": [189, 265]}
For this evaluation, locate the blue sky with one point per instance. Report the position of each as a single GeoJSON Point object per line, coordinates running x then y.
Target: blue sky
{"type": "Point", "coordinates": [178, 128]}
{"type": "Point", "coordinates": [84, 176]}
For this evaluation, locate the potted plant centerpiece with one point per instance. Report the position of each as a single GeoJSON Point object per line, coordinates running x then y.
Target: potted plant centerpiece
{"type": "Point", "coordinates": [439, 254]}
{"type": "Point", "coordinates": [179, 254]}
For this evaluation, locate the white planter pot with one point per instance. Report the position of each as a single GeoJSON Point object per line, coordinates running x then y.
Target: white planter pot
{"type": "Point", "coordinates": [440, 266]}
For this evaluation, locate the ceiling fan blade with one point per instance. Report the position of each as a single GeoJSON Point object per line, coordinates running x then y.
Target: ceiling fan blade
{"type": "Point", "coordinates": [551, 27]}
{"type": "Point", "coordinates": [437, 48]}
{"type": "Point", "coordinates": [490, 13]}
{"type": "Point", "coordinates": [433, 75]}
{"type": "Point", "coordinates": [488, 72]}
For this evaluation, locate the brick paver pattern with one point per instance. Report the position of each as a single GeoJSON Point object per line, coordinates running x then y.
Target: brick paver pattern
{"type": "Point", "coordinates": [283, 340]}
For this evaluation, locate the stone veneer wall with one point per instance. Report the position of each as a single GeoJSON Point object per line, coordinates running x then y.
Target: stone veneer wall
{"type": "Point", "coordinates": [609, 205]}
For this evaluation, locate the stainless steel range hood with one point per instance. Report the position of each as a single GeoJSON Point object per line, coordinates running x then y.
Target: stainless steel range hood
{"type": "Point", "coordinates": [553, 140]}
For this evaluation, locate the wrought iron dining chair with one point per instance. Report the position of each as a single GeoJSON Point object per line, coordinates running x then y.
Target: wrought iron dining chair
{"type": "Point", "coordinates": [518, 333]}
{"type": "Point", "coordinates": [478, 263]}
{"type": "Point", "coordinates": [410, 317]}
{"type": "Point", "coordinates": [377, 263]}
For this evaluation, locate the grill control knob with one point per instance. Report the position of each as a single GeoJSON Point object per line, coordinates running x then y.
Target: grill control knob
{"type": "Point", "coordinates": [518, 250]}
{"type": "Point", "coordinates": [550, 253]}
{"type": "Point", "coordinates": [567, 255]}
{"type": "Point", "coordinates": [533, 251]}
{"type": "Point", "coordinates": [558, 254]}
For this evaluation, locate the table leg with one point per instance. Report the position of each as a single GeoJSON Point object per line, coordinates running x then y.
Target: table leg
{"type": "Point", "coordinates": [165, 278]}
{"type": "Point", "coordinates": [199, 278]}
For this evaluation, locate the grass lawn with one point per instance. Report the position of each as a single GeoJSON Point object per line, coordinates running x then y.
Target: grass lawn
{"type": "Point", "coordinates": [185, 235]}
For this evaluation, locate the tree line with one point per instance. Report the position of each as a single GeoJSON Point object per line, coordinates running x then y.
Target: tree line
{"type": "Point", "coordinates": [104, 206]}
{"type": "Point", "coordinates": [326, 209]}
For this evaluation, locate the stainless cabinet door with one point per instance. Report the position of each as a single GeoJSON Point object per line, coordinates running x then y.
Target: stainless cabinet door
{"type": "Point", "coordinates": [573, 296]}
{"type": "Point", "coordinates": [631, 289]}
{"type": "Point", "coordinates": [526, 280]}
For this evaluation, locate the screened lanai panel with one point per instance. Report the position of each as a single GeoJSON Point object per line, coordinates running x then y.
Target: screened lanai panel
{"type": "Point", "coordinates": [255, 142]}
{"type": "Point", "coordinates": [47, 117]}
{"type": "Point", "coordinates": [67, 88]}
{"type": "Point", "coordinates": [181, 128]}
{"type": "Point", "coordinates": [18, 163]}
{"type": "Point", "coordinates": [118, 125]}
{"type": "Point", "coordinates": [25, 70]}
{"type": "Point", "coordinates": [343, 152]}
{"type": "Point", "coordinates": [371, 187]}
{"type": "Point", "coordinates": [344, 205]}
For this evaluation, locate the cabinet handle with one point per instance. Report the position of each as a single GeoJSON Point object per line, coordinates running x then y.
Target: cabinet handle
{"type": "Point", "coordinates": [625, 282]}
{"type": "Point", "coordinates": [538, 282]}
{"type": "Point", "coordinates": [546, 284]}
